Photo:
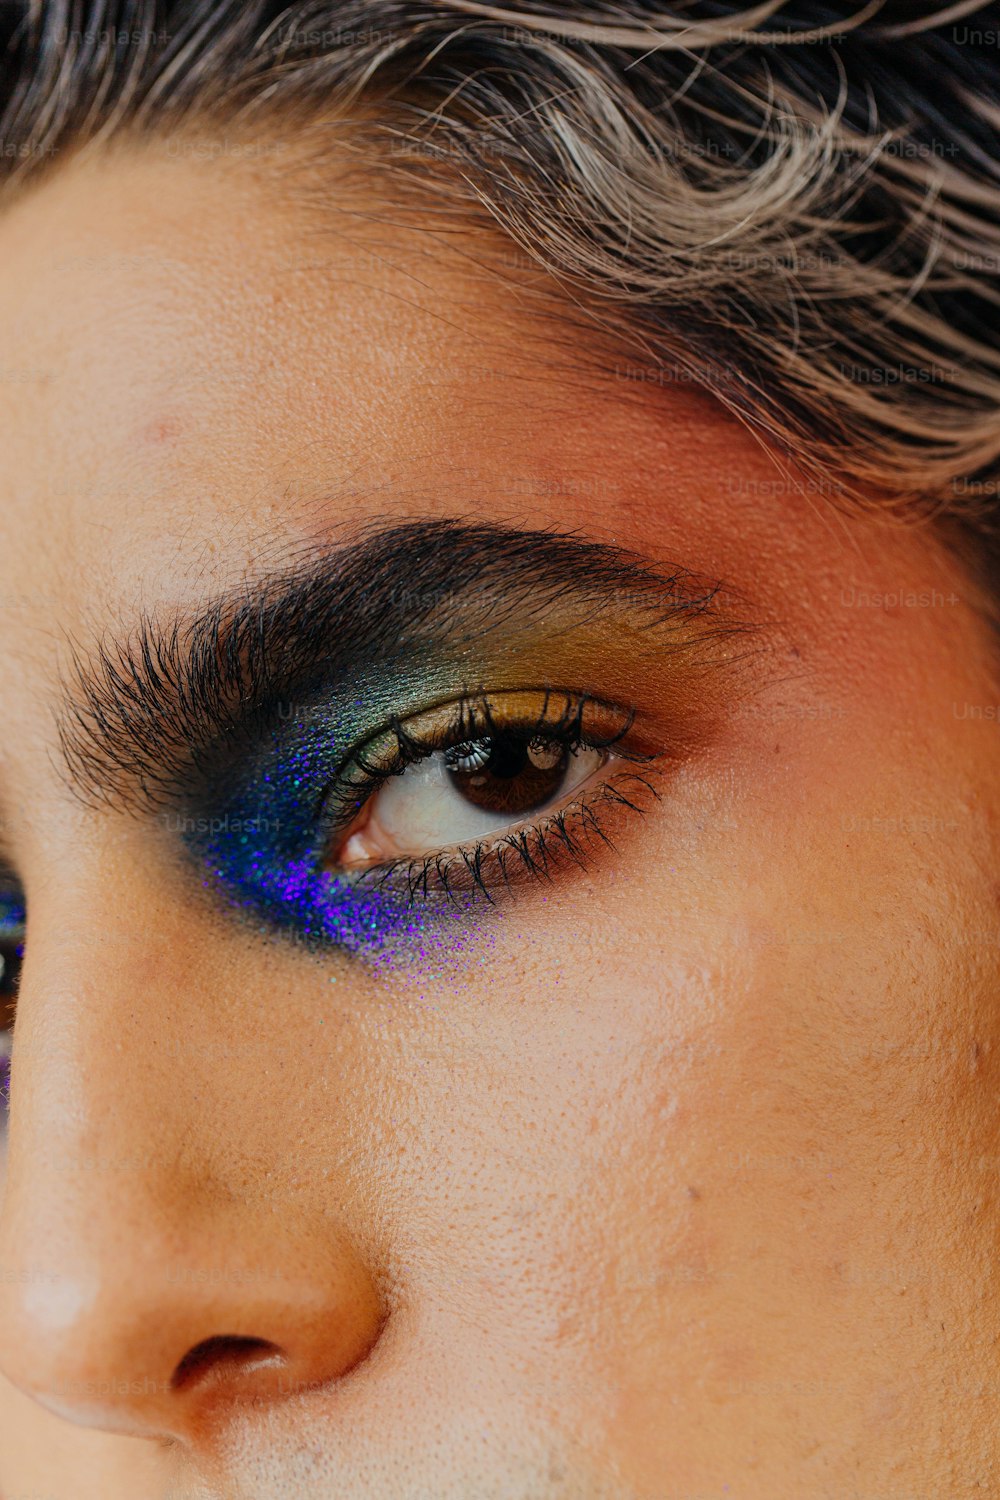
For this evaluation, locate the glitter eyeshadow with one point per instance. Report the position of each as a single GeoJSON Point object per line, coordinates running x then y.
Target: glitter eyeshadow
{"type": "Point", "coordinates": [317, 907]}
{"type": "Point", "coordinates": [262, 843]}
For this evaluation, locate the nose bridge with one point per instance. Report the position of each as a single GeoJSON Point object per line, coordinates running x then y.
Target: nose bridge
{"type": "Point", "coordinates": [147, 1279]}
{"type": "Point", "coordinates": [94, 1066]}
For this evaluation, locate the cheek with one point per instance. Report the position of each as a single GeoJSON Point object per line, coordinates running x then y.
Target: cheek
{"type": "Point", "coordinates": [546, 1139]}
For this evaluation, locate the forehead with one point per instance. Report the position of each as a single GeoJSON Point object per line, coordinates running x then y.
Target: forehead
{"type": "Point", "coordinates": [197, 367]}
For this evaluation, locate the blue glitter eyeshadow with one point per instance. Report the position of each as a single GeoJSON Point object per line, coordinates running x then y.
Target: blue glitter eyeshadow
{"type": "Point", "coordinates": [263, 843]}
{"type": "Point", "coordinates": [317, 906]}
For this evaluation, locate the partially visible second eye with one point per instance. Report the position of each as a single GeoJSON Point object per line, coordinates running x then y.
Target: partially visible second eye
{"type": "Point", "coordinates": [465, 793]}
{"type": "Point", "coordinates": [11, 954]}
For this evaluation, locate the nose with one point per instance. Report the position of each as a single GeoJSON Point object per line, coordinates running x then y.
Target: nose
{"type": "Point", "coordinates": [155, 1275]}
{"type": "Point", "coordinates": [152, 1349]}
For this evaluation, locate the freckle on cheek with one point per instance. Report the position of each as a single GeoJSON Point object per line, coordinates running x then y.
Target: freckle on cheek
{"type": "Point", "coordinates": [160, 430]}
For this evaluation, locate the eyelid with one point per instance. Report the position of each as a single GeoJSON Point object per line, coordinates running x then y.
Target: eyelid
{"type": "Point", "coordinates": [472, 716]}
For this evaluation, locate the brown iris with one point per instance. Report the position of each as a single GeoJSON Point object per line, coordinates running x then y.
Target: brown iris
{"type": "Point", "coordinates": [504, 774]}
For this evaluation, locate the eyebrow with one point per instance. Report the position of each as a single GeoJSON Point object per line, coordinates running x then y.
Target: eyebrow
{"type": "Point", "coordinates": [141, 711]}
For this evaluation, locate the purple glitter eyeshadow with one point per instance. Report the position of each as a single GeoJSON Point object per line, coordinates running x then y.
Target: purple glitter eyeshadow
{"type": "Point", "coordinates": [319, 907]}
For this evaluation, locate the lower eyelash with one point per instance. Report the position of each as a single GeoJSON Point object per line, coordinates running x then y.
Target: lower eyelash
{"type": "Point", "coordinates": [533, 852]}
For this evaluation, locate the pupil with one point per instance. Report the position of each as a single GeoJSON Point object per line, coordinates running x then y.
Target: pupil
{"type": "Point", "coordinates": [507, 758]}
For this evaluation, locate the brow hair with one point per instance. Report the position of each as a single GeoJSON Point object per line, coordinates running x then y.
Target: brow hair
{"type": "Point", "coordinates": [141, 712]}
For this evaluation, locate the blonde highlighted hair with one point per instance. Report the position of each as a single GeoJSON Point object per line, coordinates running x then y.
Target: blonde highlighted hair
{"type": "Point", "coordinates": [797, 209]}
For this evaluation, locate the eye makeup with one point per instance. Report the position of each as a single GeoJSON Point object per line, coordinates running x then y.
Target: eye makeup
{"type": "Point", "coordinates": [271, 846]}
{"type": "Point", "coordinates": [240, 724]}
{"type": "Point", "coordinates": [262, 843]}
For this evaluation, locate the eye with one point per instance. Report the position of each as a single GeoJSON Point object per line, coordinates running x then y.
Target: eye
{"type": "Point", "coordinates": [465, 793]}
{"type": "Point", "coordinates": [369, 850]}
{"type": "Point", "coordinates": [469, 773]}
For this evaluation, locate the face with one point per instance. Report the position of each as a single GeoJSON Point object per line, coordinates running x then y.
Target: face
{"type": "Point", "coordinates": [508, 1004]}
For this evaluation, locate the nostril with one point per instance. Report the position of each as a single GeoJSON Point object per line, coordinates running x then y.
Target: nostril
{"type": "Point", "coordinates": [225, 1354]}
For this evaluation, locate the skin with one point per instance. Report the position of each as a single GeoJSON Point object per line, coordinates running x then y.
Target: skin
{"type": "Point", "coordinates": [681, 1180]}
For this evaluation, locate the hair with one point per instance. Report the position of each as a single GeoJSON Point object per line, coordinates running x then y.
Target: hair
{"type": "Point", "coordinates": [798, 210]}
